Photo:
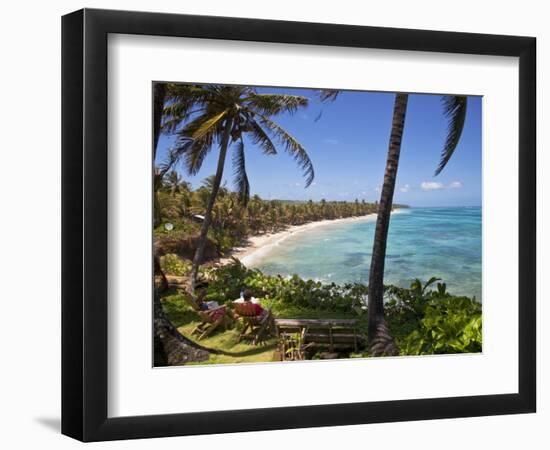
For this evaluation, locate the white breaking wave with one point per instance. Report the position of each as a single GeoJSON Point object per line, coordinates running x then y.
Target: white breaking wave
{"type": "Point", "coordinates": [257, 255]}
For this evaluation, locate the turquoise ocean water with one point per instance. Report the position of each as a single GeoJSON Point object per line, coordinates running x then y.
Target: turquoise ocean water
{"type": "Point", "coordinates": [422, 242]}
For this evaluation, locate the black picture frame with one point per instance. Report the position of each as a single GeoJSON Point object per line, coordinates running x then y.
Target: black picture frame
{"type": "Point", "coordinates": [84, 224]}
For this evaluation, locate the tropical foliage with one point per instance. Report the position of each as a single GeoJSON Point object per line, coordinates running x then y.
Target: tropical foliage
{"type": "Point", "coordinates": [437, 322]}
{"type": "Point", "coordinates": [454, 109]}
{"type": "Point", "coordinates": [448, 325]}
{"type": "Point", "coordinates": [207, 221]}
{"type": "Point", "coordinates": [174, 265]}
{"type": "Point", "coordinates": [208, 116]}
{"type": "Point", "coordinates": [424, 318]}
{"type": "Point", "coordinates": [233, 221]}
{"type": "Point", "coordinates": [226, 283]}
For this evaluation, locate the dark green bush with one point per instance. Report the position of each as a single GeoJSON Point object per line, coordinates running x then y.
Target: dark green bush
{"type": "Point", "coordinates": [423, 319]}
{"type": "Point", "coordinates": [449, 325]}
{"type": "Point", "coordinates": [227, 282]}
{"type": "Point", "coordinates": [433, 321]}
{"type": "Point", "coordinates": [172, 264]}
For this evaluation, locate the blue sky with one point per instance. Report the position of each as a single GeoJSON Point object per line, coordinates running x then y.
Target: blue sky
{"type": "Point", "coordinates": [348, 146]}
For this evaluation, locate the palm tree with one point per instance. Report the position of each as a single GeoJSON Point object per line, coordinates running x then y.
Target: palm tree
{"type": "Point", "coordinates": [214, 115]}
{"type": "Point", "coordinates": [454, 108]}
{"type": "Point", "coordinates": [170, 347]}
{"type": "Point", "coordinates": [173, 180]}
{"type": "Point", "coordinates": [159, 97]}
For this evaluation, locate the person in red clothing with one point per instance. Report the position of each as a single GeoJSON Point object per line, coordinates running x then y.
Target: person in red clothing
{"type": "Point", "coordinates": [260, 320]}
{"type": "Point", "coordinates": [250, 306]}
{"type": "Point", "coordinates": [247, 296]}
{"type": "Point", "coordinates": [215, 311]}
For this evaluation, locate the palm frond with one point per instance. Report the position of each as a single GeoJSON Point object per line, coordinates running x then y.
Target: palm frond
{"type": "Point", "coordinates": [193, 151]}
{"type": "Point", "coordinates": [273, 104]}
{"type": "Point", "coordinates": [328, 95]}
{"type": "Point", "coordinates": [188, 94]}
{"type": "Point", "coordinates": [180, 101]}
{"type": "Point", "coordinates": [196, 138]}
{"type": "Point", "coordinates": [206, 126]}
{"type": "Point", "coordinates": [242, 185]}
{"type": "Point", "coordinates": [260, 138]}
{"type": "Point", "coordinates": [454, 109]}
{"type": "Point", "coordinates": [208, 182]}
{"type": "Point", "coordinates": [293, 147]}
{"type": "Point", "coordinates": [197, 152]}
{"type": "Point", "coordinates": [171, 160]}
{"type": "Point", "coordinates": [174, 115]}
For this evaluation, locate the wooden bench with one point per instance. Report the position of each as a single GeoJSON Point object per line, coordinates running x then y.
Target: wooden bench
{"type": "Point", "coordinates": [332, 334]}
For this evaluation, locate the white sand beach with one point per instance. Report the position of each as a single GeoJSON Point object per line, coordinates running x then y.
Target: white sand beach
{"type": "Point", "coordinates": [260, 245]}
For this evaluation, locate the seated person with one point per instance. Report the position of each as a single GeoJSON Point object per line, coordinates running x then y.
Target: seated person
{"type": "Point", "coordinates": [242, 299]}
{"type": "Point", "coordinates": [215, 311]}
{"type": "Point", "coordinates": [205, 306]}
{"type": "Point", "coordinates": [248, 299]}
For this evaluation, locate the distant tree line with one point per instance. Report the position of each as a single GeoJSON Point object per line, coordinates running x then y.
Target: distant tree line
{"type": "Point", "coordinates": [232, 220]}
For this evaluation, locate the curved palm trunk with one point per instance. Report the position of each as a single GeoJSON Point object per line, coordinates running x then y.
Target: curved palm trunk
{"type": "Point", "coordinates": [157, 183]}
{"type": "Point", "coordinates": [380, 341]}
{"type": "Point", "coordinates": [199, 252]}
{"type": "Point", "coordinates": [159, 96]}
{"type": "Point", "coordinates": [170, 346]}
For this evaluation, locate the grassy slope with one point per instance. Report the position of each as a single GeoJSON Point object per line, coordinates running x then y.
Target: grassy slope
{"type": "Point", "coordinates": [185, 319]}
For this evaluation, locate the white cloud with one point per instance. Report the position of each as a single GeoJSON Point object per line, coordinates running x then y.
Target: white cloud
{"type": "Point", "coordinates": [435, 185]}
{"type": "Point", "coordinates": [313, 184]}
{"type": "Point", "coordinates": [405, 188]}
{"type": "Point", "coordinates": [431, 185]}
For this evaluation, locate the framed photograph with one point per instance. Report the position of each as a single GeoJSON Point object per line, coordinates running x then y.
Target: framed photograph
{"type": "Point", "coordinates": [273, 224]}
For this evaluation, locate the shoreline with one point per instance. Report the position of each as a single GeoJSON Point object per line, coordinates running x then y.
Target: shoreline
{"type": "Point", "coordinates": [262, 243]}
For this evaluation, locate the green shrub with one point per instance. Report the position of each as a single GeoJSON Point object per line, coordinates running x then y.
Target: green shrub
{"type": "Point", "coordinates": [450, 325]}
{"type": "Point", "coordinates": [172, 264]}
{"type": "Point", "coordinates": [433, 321]}
{"type": "Point", "coordinates": [227, 282]}
{"type": "Point", "coordinates": [423, 319]}
{"type": "Point", "coordinates": [181, 228]}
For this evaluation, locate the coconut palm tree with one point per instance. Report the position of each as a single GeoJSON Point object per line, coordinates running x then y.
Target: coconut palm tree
{"type": "Point", "coordinates": [172, 181]}
{"type": "Point", "coordinates": [454, 109]}
{"type": "Point", "coordinates": [211, 116]}
{"type": "Point", "coordinates": [170, 346]}
{"type": "Point", "coordinates": [159, 97]}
